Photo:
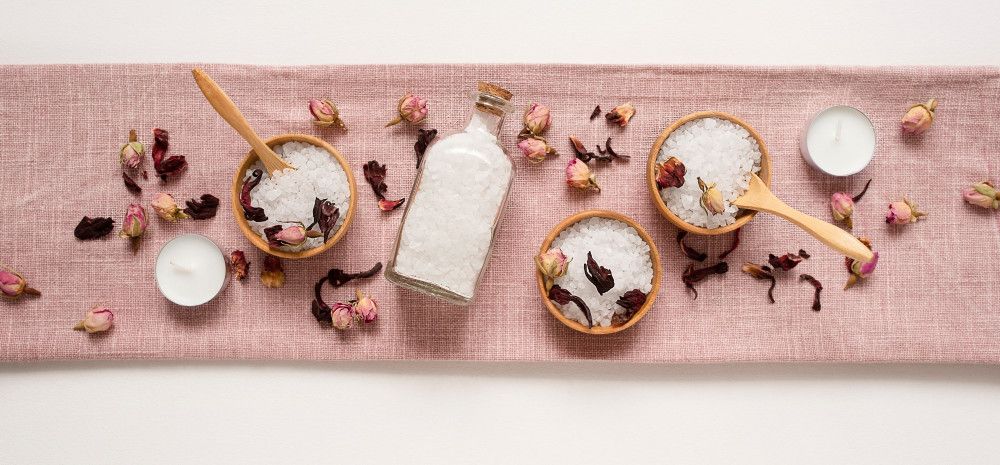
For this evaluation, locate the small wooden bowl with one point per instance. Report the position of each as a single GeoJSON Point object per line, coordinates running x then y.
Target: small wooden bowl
{"type": "Point", "coordinates": [654, 257]}
{"type": "Point", "coordinates": [742, 217]}
{"type": "Point", "coordinates": [255, 238]}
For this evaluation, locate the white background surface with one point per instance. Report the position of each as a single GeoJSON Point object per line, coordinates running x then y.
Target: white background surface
{"type": "Point", "coordinates": [246, 413]}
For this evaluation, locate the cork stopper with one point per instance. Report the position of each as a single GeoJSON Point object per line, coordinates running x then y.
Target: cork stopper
{"type": "Point", "coordinates": [495, 90]}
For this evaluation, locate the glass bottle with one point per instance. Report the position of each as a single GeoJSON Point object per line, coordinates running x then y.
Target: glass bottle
{"type": "Point", "coordinates": [458, 196]}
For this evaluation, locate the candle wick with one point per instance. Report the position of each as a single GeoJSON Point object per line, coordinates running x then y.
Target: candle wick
{"type": "Point", "coordinates": [180, 267]}
{"type": "Point", "coordinates": [836, 134]}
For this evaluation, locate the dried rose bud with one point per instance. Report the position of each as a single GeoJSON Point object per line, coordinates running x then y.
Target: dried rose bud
{"type": "Point", "coordinates": [621, 114]}
{"type": "Point", "coordinates": [919, 118]}
{"type": "Point", "coordinates": [239, 265]}
{"type": "Point", "coordinates": [860, 270]}
{"type": "Point", "coordinates": [131, 152]}
{"type": "Point", "coordinates": [535, 149]}
{"type": "Point", "coordinates": [670, 173]}
{"type": "Point", "coordinates": [134, 225]}
{"type": "Point", "coordinates": [537, 118]}
{"type": "Point", "coordinates": [13, 285]}
{"type": "Point", "coordinates": [982, 194]}
{"type": "Point", "coordinates": [551, 265]}
{"type": "Point", "coordinates": [342, 315]}
{"type": "Point", "coordinates": [279, 235]}
{"type": "Point", "coordinates": [325, 114]}
{"type": "Point", "coordinates": [166, 208]}
{"type": "Point", "coordinates": [842, 205]}
{"type": "Point", "coordinates": [711, 198]}
{"type": "Point", "coordinates": [96, 320]}
{"type": "Point", "coordinates": [903, 212]}
{"type": "Point", "coordinates": [272, 274]}
{"type": "Point", "coordinates": [578, 175]}
{"type": "Point", "coordinates": [365, 308]}
{"type": "Point", "coordinates": [411, 109]}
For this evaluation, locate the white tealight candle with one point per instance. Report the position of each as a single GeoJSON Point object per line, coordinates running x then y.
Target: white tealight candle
{"type": "Point", "coordinates": [839, 141]}
{"type": "Point", "coordinates": [190, 270]}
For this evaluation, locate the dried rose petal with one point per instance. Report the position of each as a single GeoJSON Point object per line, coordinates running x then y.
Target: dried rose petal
{"type": "Point", "coordinates": [735, 244]}
{"type": "Point", "coordinates": [564, 297]}
{"type": "Point", "coordinates": [688, 251]}
{"type": "Point", "coordinates": [338, 277]}
{"type": "Point", "coordinates": [239, 264]}
{"type": "Point", "coordinates": [761, 272]}
{"type": "Point", "coordinates": [130, 184]}
{"type": "Point", "coordinates": [670, 173]}
{"type": "Point", "coordinates": [424, 138]}
{"type": "Point", "coordinates": [202, 209]}
{"type": "Point", "coordinates": [165, 167]}
{"type": "Point", "coordinates": [691, 276]}
{"type": "Point", "coordinates": [595, 113]}
{"type": "Point", "coordinates": [816, 284]}
{"type": "Point", "coordinates": [251, 212]}
{"type": "Point", "coordinates": [93, 228]}
{"type": "Point", "coordinates": [621, 114]}
{"type": "Point", "coordinates": [272, 274]}
{"type": "Point", "coordinates": [598, 275]}
{"type": "Point", "coordinates": [390, 205]}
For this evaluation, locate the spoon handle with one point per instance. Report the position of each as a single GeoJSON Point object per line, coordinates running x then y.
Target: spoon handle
{"type": "Point", "coordinates": [225, 107]}
{"type": "Point", "coordinates": [829, 234]}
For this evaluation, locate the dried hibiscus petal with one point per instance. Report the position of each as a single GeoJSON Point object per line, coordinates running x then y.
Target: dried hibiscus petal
{"type": "Point", "coordinates": [816, 284]}
{"type": "Point", "coordinates": [688, 251]}
{"type": "Point", "coordinates": [761, 272]}
{"type": "Point", "coordinates": [165, 167]}
{"type": "Point", "coordinates": [93, 228]}
{"type": "Point", "coordinates": [598, 275]}
{"type": "Point", "coordinates": [130, 184]}
{"type": "Point", "coordinates": [325, 216]}
{"type": "Point", "coordinates": [338, 277]}
{"type": "Point", "coordinates": [610, 152]}
{"type": "Point", "coordinates": [239, 265]}
{"type": "Point", "coordinates": [375, 175]}
{"type": "Point", "coordinates": [786, 261]}
{"type": "Point", "coordinates": [564, 297]}
{"type": "Point", "coordinates": [580, 150]}
{"type": "Point", "coordinates": [387, 205]}
{"type": "Point", "coordinates": [250, 212]}
{"type": "Point", "coordinates": [692, 276]}
{"type": "Point", "coordinates": [204, 208]}
{"type": "Point", "coordinates": [595, 113]}
{"type": "Point", "coordinates": [424, 138]}
{"type": "Point", "coordinates": [631, 301]}
{"type": "Point", "coordinates": [736, 243]}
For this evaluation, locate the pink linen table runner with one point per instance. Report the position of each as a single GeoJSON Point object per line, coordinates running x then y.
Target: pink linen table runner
{"type": "Point", "coordinates": [933, 298]}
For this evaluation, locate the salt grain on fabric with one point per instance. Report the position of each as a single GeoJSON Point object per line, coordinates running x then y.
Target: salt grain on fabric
{"type": "Point", "coordinates": [718, 151]}
{"type": "Point", "coordinates": [617, 247]}
{"type": "Point", "coordinates": [288, 196]}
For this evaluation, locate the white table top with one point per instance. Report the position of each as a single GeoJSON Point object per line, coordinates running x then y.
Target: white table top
{"type": "Point", "coordinates": [401, 412]}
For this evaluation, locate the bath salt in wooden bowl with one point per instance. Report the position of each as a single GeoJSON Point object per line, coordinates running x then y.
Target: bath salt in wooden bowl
{"type": "Point", "coordinates": [617, 244]}
{"type": "Point", "coordinates": [721, 149]}
{"type": "Point", "coordinates": [321, 172]}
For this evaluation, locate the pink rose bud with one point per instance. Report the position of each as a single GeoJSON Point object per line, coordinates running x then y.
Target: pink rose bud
{"type": "Point", "coordinates": [365, 309]}
{"type": "Point", "coordinates": [903, 212]}
{"type": "Point", "coordinates": [325, 114]}
{"type": "Point", "coordinates": [96, 320]}
{"type": "Point", "coordinates": [842, 206]}
{"type": "Point", "coordinates": [411, 109]}
{"type": "Point", "coordinates": [711, 198]}
{"type": "Point", "coordinates": [552, 264]}
{"type": "Point", "coordinates": [166, 208]}
{"type": "Point", "coordinates": [578, 175]}
{"type": "Point", "coordinates": [342, 315]}
{"type": "Point", "coordinates": [860, 270]}
{"type": "Point", "coordinates": [537, 118]}
{"type": "Point", "coordinates": [535, 149]}
{"type": "Point", "coordinates": [919, 118]}
{"type": "Point", "coordinates": [292, 235]}
{"type": "Point", "coordinates": [131, 152]}
{"type": "Point", "coordinates": [134, 225]}
{"type": "Point", "coordinates": [13, 285]}
{"type": "Point", "coordinates": [982, 194]}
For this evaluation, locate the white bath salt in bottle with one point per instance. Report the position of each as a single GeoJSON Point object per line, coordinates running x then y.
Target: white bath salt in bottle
{"type": "Point", "coordinates": [446, 236]}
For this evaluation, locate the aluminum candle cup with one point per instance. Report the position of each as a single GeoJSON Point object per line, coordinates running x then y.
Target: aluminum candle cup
{"type": "Point", "coordinates": [839, 141]}
{"type": "Point", "coordinates": [190, 270]}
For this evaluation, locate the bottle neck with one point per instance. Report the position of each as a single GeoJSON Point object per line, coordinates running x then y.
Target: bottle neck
{"type": "Point", "coordinates": [486, 120]}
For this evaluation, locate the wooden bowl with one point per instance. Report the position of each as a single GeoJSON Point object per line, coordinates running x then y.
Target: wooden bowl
{"type": "Point", "coordinates": [654, 257]}
{"type": "Point", "coordinates": [255, 238]}
{"type": "Point", "coordinates": [743, 216]}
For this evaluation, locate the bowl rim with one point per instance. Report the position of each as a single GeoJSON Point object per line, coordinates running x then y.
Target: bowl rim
{"type": "Point", "coordinates": [744, 216]}
{"type": "Point", "coordinates": [244, 225]}
{"type": "Point", "coordinates": [654, 256]}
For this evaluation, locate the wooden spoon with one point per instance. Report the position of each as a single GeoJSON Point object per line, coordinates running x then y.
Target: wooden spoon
{"type": "Point", "coordinates": [759, 197]}
{"type": "Point", "coordinates": [225, 107]}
